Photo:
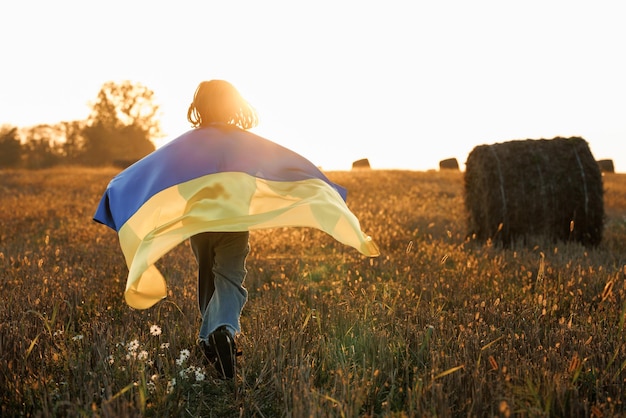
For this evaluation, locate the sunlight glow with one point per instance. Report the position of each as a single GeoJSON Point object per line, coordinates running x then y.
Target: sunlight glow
{"type": "Point", "coordinates": [405, 85]}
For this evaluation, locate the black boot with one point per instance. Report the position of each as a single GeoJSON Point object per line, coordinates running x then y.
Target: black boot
{"type": "Point", "coordinates": [221, 352]}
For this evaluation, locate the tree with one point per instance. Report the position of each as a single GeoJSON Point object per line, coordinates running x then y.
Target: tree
{"type": "Point", "coordinates": [122, 124]}
{"type": "Point", "coordinates": [43, 145]}
{"type": "Point", "coordinates": [73, 147]}
{"type": "Point", "coordinates": [10, 147]}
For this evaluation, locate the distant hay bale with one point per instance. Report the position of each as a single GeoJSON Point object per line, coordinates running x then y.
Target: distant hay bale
{"type": "Point", "coordinates": [449, 164]}
{"type": "Point", "coordinates": [361, 164]}
{"type": "Point", "coordinates": [606, 166]}
{"type": "Point", "coordinates": [549, 188]}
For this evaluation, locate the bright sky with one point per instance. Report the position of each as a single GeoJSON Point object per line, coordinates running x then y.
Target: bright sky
{"type": "Point", "coordinates": [402, 83]}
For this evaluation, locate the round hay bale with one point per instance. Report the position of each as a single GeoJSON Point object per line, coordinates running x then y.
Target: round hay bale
{"type": "Point", "coordinates": [606, 166]}
{"type": "Point", "coordinates": [550, 188]}
{"type": "Point", "coordinates": [449, 164]}
{"type": "Point", "coordinates": [363, 163]}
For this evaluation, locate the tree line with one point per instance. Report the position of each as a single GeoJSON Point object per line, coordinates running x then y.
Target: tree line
{"type": "Point", "coordinates": [119, 130]}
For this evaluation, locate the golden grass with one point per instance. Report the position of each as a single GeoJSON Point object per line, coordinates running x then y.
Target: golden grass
{"type": "Point", "coordinates": [436, 326]}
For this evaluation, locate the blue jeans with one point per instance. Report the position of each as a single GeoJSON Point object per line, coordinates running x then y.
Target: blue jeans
{"type": "Point", "coordinates": [222, 270]}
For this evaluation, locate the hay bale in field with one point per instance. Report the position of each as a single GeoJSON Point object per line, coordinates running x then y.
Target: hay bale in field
{"type": "Point", "coordinates": [548, 188]}
{"type": "Point", "coordinates": [606, 166]}
{"type": "Point", "coordinates": [361, 164]}
{"type": "Point", "coordinates": [449, 164]}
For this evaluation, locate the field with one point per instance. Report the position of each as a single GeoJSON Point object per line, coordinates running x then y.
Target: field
{"type": "Point", "coordinates": [438, 325]}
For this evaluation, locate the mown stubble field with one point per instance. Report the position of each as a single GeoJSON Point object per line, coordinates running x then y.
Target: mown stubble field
{"type": "Point", "coordinates": [437, 325]}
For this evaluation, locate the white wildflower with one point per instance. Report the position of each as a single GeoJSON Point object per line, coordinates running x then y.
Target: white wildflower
{"type": "Point", "coordinates": [155, 330]}
{"type": "Point", "coordinates": [133, 346]}
{"type": "Point", "coordinates": [184, 355]}
{"type": "Point", "coordinates": [199, 374]}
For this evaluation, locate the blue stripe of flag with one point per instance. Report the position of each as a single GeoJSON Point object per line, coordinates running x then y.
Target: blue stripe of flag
{"type": "Point", "coordinates": [197, 153]}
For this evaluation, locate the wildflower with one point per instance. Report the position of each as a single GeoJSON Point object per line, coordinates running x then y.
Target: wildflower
{"type": "Point", "coordinates": [133, 346]}
{"type": "Point", "coordinates": [165, 346]}
{"type": "Point", "coordinates": [196, 372]}
{"type": "Point", "coordinates": [58, 333]}
{"type": "Point", "coordinates": [143, 355]}
{"type": "Point", "coordinates": [199, 374]}
{"type": "Point", "coordinates": [155, 330]}
{"type": "Point", "coordinates": [110, 359]}
{"type": "Point", "coordinates": [184, 355]}
{"type": "Point", "coordinates": [77, 337]}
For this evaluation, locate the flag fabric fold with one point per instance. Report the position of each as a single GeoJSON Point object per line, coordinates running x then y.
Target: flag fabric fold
{"type": "Point", "coordinates": [218, 178]}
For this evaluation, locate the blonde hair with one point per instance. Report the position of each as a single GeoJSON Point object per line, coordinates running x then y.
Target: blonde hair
{"type": "Point", "coordinates": [218, 101]}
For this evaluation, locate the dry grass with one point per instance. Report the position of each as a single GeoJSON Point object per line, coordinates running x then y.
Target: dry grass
{"type": "Point", "coordinates": [436, 326]}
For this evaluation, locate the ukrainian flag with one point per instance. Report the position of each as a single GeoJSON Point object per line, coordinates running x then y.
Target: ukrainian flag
{"type": "Point", "coordinates": [218, 178]}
